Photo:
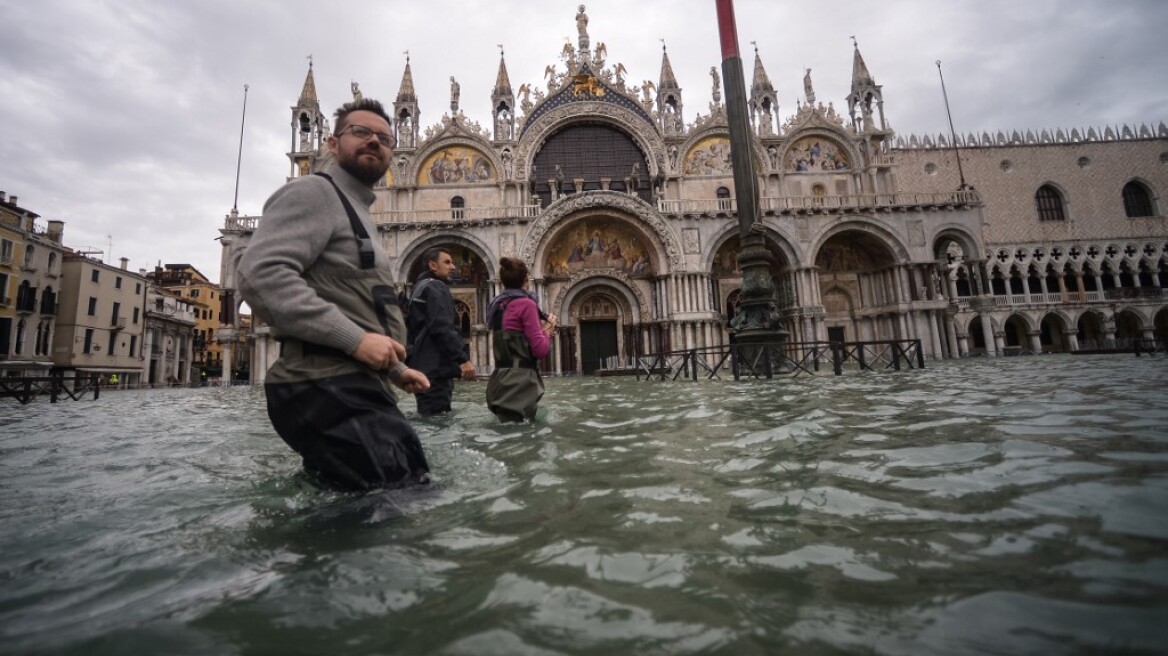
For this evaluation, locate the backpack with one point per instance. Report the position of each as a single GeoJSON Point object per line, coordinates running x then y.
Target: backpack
{"type": "Point", "coordinates": [404, 300]}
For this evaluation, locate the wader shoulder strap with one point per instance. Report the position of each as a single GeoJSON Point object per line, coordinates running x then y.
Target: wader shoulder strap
{"type": "Point", "coordinates": [364, 244]}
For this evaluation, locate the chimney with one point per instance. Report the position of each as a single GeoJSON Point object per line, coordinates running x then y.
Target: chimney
{"type": "Point", "coordinates": [55, 230]}
{"type": "Point", "coordinates": [12, 199]}
{"type": "Point", "coordinates": [125, 263]}
{"type": "Point", "coordinates": [3, 197]}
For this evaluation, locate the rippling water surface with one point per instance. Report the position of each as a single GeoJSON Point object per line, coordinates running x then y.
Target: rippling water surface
{"type": "Point", "coordinates": [1014, 506]}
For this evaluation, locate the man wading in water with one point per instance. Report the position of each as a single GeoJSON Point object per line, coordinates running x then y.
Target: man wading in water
{"type": "Point", "coordinates": [312, 272]}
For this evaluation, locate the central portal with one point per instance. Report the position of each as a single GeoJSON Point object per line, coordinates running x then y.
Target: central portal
{"type": "Point", "coordinates": [597, 342]}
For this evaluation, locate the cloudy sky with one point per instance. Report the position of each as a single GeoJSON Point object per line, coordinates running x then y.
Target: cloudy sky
{"type": "Point", "coordinates": [122, 117]}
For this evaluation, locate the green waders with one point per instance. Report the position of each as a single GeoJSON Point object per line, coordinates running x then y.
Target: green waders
{"type": "Point", "coordinates": [338, 414]}
{"type": "Point", "coordinates": [515, 387]}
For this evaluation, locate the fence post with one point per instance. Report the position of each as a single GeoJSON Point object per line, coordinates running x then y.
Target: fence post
{"type": "Point", "coordinates": [920, 354]}
{"type": "Point", "coordinates": [693, 355]}
{"type": "Point", "coordinates": [896, 355]}
{"type": "Point", "coordinates": [96, 380]}
{"type": "Point", "coordinates": [837, 362]}
{"type": "Point", "coordinates": [766, 351]}
{"type": "Point", "coordinates": [734, 355]}
{"type": "Point", "coordinates": [862, 353]}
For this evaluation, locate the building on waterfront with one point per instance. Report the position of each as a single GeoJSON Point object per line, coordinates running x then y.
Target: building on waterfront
{"type": "Point", "coordinates": [169, 348]}
{"type": "Point", "coordinates": [625, 211]}
{"type": "Point", "coordinates": [30, 281]}
{"type": "Point", "coordinates": [206, 297]}
{"type": "Point", "coordinates": [100, 320]}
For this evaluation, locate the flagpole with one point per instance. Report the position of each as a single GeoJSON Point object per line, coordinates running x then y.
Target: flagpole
{"type": "Point", "coordinates": [952, 132]}
{"type": "Point", "coordinates": [239, 158]}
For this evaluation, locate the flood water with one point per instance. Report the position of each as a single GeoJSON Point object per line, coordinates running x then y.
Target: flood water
{"type": "Point", "coordinates": [1004, 506]}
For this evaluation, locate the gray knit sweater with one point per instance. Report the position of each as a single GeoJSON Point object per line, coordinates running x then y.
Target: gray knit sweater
{"type": "Point", "coordinates": [304, 225]}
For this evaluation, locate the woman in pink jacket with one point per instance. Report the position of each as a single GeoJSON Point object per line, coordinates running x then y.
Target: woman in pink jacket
{"type": "Point", "coordinates": [521, 335]}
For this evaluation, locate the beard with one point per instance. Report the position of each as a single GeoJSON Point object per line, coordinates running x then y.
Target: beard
{"type": "Point", "coordinates": [367, 171]}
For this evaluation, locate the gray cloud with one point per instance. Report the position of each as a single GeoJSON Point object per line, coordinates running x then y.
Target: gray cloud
{"type": "Point", "coordinates": [122, 118]}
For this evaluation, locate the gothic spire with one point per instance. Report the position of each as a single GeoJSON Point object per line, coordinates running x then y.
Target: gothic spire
{"type": "Point", "coordinates": [860, 75]}
{"type": "Point", "coordinates": [308, 93]}
{"type": "Point", "coordinates": [405, 110]}
{"type": "Point", "coordinates": [763, 103]}
{"type": "Point", "coordinates": [866, 97]}
{"type": "Point", "coordinates": [503, 103]}
{"type": "Point", "coordinates": [762, 82]}
{"type": "Point", "coordinates": [502, 81]}
{"type": "Point", "coordinates": [405, 93]}
{"type": "Point", "coordinates": [668, 81]}
{"type": "Point", "coordinates": [669, 107]}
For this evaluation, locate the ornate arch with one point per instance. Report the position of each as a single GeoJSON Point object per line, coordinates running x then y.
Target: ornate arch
{"type": "Point", "coordinates": [581, 283]}
{"type": "Point", "coordinates": [956, 233]}
{"type": "Point", "coordinates": [867, 226]}
{"type": "Point", "coordinates": [533, 242]}
{"type": "Point", "coordinates": [415, 249]}
{"type": "Point", "coordinates": [772, 234]}
{"type": "Point", "coordinates": [645, 135]}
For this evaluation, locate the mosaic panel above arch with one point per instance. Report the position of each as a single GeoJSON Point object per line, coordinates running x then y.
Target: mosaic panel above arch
{"type": "Point", "coordinates": [456, 165]}
{"type": "Point", "coordinates": [599, 243]}
{"type": "Point", "coordinates": [710, 156]}
{"type": "Point", "coordinates": [816, 154]}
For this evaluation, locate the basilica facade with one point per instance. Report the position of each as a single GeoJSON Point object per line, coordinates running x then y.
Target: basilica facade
{"type": "Point", "coordinates": [625, 213]}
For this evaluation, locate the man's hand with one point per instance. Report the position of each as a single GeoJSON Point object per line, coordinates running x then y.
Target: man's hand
{"type": "Point", "coordinates": [468, 370]}
{"type": "Point", "coordinates": [379, 352]}
{"type": "Point", "coordinates": [413, 381]}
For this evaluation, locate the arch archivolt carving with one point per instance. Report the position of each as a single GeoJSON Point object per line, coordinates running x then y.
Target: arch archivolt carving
{"type": "Point", "coordinates": [607, 202]}
{"type": "Point", "coordinates": [645, 135]}
{"type": "Point", "coordinates": [616, 282]}
{"type": "Point", "coordinates": [415, 249]}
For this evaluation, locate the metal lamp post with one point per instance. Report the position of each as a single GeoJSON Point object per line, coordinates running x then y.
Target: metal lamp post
{"type": "Point", "coordinates": [757, 320]}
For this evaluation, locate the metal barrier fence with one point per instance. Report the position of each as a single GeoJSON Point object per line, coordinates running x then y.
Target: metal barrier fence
{"type": "Point", "coordinates": [793, 359]}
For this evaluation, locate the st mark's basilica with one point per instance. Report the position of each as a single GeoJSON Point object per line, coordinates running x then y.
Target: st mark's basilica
{"type": "Point", "coordinates": [997, 244]}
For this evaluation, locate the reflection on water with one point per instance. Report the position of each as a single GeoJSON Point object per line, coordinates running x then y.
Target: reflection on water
{"type": "Point", "coordinates": [1013, 506]}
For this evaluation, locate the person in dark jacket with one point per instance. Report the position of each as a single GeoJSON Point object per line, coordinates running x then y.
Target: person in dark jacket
{"type": "Point", "coordinates": [435, 344]}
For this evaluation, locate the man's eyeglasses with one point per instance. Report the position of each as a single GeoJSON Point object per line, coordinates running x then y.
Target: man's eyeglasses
{"type": "Point", "coordinates": [364, 133]}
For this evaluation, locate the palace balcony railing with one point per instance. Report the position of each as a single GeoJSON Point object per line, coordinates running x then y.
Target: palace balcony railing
{"type": "Point", "coordinates": [457, 215]}
{"type": "Point", "coordinates": [792, 359]}
{"type": "Point", "coordinates": [1057, 298]}
{"type": "Point", "coordinates": [826, 204]}
{"type": "Point", "coordinates": [688, 207]}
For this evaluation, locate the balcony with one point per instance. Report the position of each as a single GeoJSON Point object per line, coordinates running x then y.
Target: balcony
{"type": "Point", "coordinates": [824, 204]}
{"type": "Point", "coordinates": [118, 323]}
{"type": "Point", "coordinates": [458, 215]}
{"type": "Point", "coordinates": [1056, 298]}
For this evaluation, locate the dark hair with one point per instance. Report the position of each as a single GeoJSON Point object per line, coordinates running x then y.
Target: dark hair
{"type": "Point", "coordinates": [432, 254]}
{"type": "Point", "coordinates": [512, 272]}
{"type": "Point", "coordinates": [363, 105]}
